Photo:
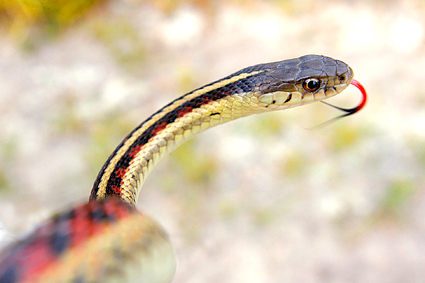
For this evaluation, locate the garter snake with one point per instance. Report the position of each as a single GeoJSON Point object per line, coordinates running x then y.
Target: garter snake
{"type": "Point", "coordinates": [106, 239]}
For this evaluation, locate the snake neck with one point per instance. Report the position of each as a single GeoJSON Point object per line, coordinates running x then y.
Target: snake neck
{"type": "Point", "coordinates": [256, 89]}
{"type": "Point", "coordinates": [129, 165]}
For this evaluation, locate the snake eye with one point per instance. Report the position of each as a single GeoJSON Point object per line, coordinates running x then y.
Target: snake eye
{"type": "Point", "coordinates": [342, 78]}
{"type": "Point", "coordinates": [311, 85]}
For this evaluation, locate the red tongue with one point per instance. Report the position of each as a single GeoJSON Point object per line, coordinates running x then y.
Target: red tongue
{"type": "Point", "coordinates": [363, 91]}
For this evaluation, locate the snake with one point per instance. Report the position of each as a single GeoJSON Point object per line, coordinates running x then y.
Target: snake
{"type": "Point", "coordinates": [107, 239]}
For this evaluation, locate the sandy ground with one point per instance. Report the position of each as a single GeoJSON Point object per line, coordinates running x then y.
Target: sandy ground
{"type": "Point", "coordinates": [261, 199]}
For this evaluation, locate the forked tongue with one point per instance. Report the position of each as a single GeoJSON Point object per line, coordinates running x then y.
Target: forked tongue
{"type": "Point", "coordinates": [351, 111]}
{"type": "Point", "coordinates": [348, 111]}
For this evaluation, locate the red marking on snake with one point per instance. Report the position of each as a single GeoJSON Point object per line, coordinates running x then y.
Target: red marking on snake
{"type": "Point", "coordinates": [40, 251]}
{"type": "Point", "coordinates": [159, 127]}
{"type": "Point", "coordinates": [184, 111]}
{"type": "Point", "coordinates": [120, 172]}
{"type": "Point", "coordinates": [133, 151]}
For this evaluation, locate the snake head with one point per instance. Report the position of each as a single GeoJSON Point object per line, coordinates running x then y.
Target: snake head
{"type": "Point", "coordinates": [302, 80]}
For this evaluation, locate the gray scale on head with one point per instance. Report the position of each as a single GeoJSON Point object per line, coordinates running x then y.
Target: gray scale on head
{"type": "Point", "coordinates": [288, 75]}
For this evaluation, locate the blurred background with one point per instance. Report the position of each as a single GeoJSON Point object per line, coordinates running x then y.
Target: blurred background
{"type": "Point", "coordinates": [262, 199]}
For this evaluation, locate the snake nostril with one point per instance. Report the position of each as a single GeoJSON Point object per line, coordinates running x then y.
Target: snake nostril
{"type": "Point", "coordinates": [342, 78]}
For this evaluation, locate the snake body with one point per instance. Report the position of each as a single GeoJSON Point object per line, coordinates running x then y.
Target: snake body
{"type": "Point", "coordinates": [107, 239]}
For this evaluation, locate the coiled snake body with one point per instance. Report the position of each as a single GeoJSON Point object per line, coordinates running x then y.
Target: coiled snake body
{"type": "Point", "coordinates": [107, 239]}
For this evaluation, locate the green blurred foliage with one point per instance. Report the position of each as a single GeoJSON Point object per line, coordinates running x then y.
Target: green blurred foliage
{"type": "Point", "coordinates": [4, 183]}
{"type": "Point", "coordinates": [263, 216]}
{"type": "Point", "coordinates": [295, 165]}
{"type": "Point", "coordinates": [105, 137]}
{"type": "Point", "coordinates": [8, 148]}
{"type": "Point", "coordinates": [22, 14]}
{"type": "Point", "coordinates": [344, 137]}
{"type": "Point", "coordinates": [31, 23]}
{"type": "Point", "coordinates": [7, 156]}
{"type": "Point", "coordinates": [197, 167]}
{"type": "Point", "coordinates": [398, 195]}
{"type": "Point", "coordinates": [268, 125]}
{"type": "Point", "coordinates": [228, 208]}
{"type": "Point", "coordinates": [67, 121]}
{"type": "Point", "coordinates": [122, 40]}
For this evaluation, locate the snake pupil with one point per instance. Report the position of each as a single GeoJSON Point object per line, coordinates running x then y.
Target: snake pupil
{"type": "Point", "coordinates": [311, 85]}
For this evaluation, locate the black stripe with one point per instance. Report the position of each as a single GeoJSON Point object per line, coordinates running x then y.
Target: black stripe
{"type": "Point", "coordinates": [10, 275]}
{"type": "Point", "coordinates": [61, 237]}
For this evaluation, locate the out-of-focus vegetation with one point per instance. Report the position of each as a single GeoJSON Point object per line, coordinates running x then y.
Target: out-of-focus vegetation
{"type": "Point", "coordinates": [7, 153]}
{"type": "Point", "coordinates": [30, 22]}
{"type": "Point", "coordinates": [122, 39]}
{"type": "Point", "coordinates": [399, 193]}
{"type": "Point", "coordinates": [20, 15]}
